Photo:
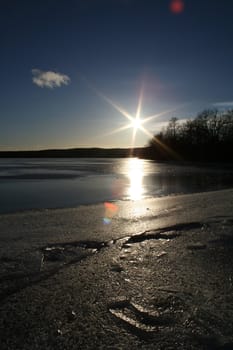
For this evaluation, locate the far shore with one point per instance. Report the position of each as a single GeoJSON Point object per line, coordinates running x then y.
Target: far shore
{"type": "Point", "coordinates": [94, 152]}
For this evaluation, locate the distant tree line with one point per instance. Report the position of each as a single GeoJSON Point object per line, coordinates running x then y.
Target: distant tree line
{"type": "Point", "coordinates": [76, 153]}
{"type": "Point", "coordinates": [208, 137]}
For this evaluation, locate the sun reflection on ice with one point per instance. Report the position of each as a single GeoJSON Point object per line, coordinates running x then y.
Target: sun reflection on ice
{"type": "Point", "coordinates": [135, 175]}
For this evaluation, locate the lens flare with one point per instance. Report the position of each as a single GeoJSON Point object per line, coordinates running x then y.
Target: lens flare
{"type": "Point", "coordinates": [110, 210]}
{"type": "Point", "coordinates": [177, 6]}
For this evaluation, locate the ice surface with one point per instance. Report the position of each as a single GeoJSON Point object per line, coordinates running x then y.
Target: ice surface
{"type": "Point", "coordinates": [159, 275]}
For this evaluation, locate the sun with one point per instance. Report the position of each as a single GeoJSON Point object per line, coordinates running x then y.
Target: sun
{"type": "Point", "coordinates": [136, 123]}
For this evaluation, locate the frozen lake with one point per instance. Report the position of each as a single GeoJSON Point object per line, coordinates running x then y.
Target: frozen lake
{"type": "Point", "coordinates": [58, 183]}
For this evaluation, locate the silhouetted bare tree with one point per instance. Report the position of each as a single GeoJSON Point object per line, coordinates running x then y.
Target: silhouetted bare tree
{"type": "Point", "coordinates": [208, 137]}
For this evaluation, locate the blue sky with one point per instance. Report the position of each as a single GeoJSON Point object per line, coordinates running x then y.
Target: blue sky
{"type": "Point", "coordinates": [64, 62]}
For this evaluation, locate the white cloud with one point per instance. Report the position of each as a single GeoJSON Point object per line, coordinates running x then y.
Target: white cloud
{"type": "Point", "coordinates": [223, 104]}
{"type": "Point", "coordinates": [49, 79]}
{"type": "Point", "coordinates": [159, 126]}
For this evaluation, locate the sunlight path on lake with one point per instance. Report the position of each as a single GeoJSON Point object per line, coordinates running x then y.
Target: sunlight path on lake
{"type": "Point", "coordinates": [135, 175]}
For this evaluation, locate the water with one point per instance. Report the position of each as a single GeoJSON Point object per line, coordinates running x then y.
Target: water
{"type": "Point", "coordinates": [58, 183]}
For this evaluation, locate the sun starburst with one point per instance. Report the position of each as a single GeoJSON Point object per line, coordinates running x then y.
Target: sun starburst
{"type": "Point", "coordinates": [136, 122]}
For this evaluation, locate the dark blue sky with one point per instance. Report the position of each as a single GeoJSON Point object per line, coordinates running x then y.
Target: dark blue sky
{"type": "Point", "coordinates": [58, 59]}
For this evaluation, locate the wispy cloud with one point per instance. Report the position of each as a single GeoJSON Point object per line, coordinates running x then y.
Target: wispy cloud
{"type": "Point", "coordinates": [223, 104]}
{"type": "Point", "coordinates": [158, 126]}
{"type": "Point", "coordinates": [49, 79]}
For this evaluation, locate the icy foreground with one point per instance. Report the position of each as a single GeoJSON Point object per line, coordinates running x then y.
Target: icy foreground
{"type": "Point", "coordinates": [158, 276]}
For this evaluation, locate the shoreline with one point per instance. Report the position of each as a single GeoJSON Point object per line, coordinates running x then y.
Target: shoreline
{"type": "Point", "coordinates": [117, 201]}
{"type": "Point", "coordinates": [159, 274]}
